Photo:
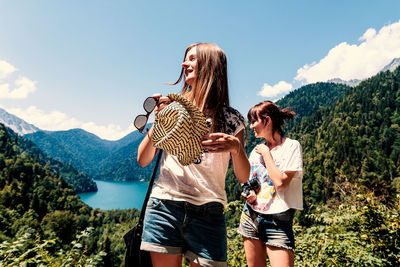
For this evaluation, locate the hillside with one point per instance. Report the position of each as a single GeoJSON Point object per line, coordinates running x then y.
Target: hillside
{"type": "Point", "coordinates": [18, 125]}
{"type": "Point", "coordinates": [80, 182]}
{"type": "Point", "coordinates": [81, 149]}
{"type": "Point", "coordinates": [122, 165]}
{"type": "Point", "coordinates": [100, 159]}
{"type": "Point", "coordinates": [357, 140]}
{"type": "Point", "coordinates": [44, 223]}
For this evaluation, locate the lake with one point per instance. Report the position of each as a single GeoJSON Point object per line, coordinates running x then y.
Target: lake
{"type": "Point", "coordinates": [116, 195]}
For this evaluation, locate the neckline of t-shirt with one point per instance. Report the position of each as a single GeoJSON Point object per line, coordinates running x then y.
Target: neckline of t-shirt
{"type": "Point", "coordinates": [279, 146]}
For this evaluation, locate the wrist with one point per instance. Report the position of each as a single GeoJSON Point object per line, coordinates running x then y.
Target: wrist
{"type": "Point", "coordinates": [238, 148]}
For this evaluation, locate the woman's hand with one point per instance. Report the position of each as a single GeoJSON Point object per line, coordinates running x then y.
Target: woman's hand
{"type": "Point", "coordinates": [262, 149]}
{"type": "Point", "coordinates": [221, 142]}
{"type": "Point", "coordinates": [162, 102]}
{"type": "Point", "coordinates": [146, 150]}
{"type": "Point", "coordinates": [251, 198]}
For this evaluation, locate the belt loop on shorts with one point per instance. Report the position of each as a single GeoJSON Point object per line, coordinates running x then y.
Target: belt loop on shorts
{"type": "Point", "coordinates": [204, 210]}
{"type": "Point", "coordinates": [186, 206]}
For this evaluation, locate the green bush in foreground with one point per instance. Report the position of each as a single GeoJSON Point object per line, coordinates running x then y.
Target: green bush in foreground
{"type": "Point", "coordinates": [361, 231]}
{"type": "Point", "coordinates": [21, 253]}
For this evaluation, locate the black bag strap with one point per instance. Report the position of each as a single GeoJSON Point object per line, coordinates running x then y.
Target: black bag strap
{"type": "Point", "coordinates": [146, 199]}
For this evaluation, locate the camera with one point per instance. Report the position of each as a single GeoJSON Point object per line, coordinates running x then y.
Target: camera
{"type": "Point", "coordinates": [252, 184]}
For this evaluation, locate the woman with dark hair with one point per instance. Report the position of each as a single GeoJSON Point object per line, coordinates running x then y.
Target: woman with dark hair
{"type": "Point", "coordinates": [185, 212]}
{"type": "Point", "coordinates": [277, 168]}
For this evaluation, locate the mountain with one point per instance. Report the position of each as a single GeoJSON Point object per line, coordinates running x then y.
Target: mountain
{"type": "Point", "coordinates": [122, 165]}
{"type": "Point", "coordinates": [26, 184]}
{"type": "Point", "coordinates": [43, 222]}
{"type": "Point", "coordinates": [18, 125]}
{"type": "Point", "coordinates": [356, 140]}
{"type": "Point", "coordinates": [392, 65]}
{"type": "Point", "coordinates": [81, 149]}
{"type": "Point", "coordinates": [353, 82]}
{"type": "Point", "coordinates": [79, 181]}
{"type": "Point", "coordinates": [101, 159]}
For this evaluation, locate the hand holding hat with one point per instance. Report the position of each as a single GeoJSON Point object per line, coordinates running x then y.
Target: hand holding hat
{"type": "Point", "coordinates": [178, 129]}
{"type": "Point", "coordinates": [221, 142]}
{"type": "Point", "coordinates": [162, 102]}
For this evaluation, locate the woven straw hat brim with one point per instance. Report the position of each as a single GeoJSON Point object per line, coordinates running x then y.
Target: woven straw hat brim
{"type": "Point", "coordinates": [178, 129]}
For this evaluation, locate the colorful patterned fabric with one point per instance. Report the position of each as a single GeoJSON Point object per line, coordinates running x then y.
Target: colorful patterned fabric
{"type": "Point", "coordinates": [287, 157]}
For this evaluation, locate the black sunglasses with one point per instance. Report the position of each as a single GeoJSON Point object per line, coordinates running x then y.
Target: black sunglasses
{"type": "Point", "coordinates": [141, 120]}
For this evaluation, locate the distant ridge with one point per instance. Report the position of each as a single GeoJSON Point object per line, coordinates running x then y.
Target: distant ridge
{"type": "Point", "coordinates": [354, 82]}
{"type": "Point", "coordinates": [392, 65]}
{"type": "Point", "coordinates": [18, 125]}
{"type": "Point", "coordinates": [86, 152]}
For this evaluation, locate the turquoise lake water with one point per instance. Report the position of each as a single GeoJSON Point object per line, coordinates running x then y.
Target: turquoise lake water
{"type": "Point", "coordinates": [116, 195]}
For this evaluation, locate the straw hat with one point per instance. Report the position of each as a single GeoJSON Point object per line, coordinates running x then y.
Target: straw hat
{"type": "Point", "coordinates": [178, 129]}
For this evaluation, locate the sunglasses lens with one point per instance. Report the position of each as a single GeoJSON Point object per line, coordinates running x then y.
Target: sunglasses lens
{"type": "Point", "coordinates": [140, 122]}
{"type": "Point", "coordinates": [149, 104]}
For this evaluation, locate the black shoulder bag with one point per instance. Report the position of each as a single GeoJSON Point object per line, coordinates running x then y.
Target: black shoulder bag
{"type": "Point", "coordinates": [134, 256]}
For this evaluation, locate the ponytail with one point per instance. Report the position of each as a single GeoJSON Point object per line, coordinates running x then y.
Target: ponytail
{"type": "Point", "coordinates": [270, 109]}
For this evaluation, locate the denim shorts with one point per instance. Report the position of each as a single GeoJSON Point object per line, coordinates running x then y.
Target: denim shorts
{"type": "Point", "coordinates": [272, 229]}
{"type": "Point", "coordinates": [178, 227]}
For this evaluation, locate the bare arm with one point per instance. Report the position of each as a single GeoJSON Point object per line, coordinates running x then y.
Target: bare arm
{"type": "Point", "coordinates": [146, 150]}
{"type": "Point", "coordinates": [241, 164]}
{"type": "Point", "coordinates": [280, 179]}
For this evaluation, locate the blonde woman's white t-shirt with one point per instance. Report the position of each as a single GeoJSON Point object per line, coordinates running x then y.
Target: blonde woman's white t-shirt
{"type": "Point", "coordinates": [196, 183]}
{"type": "Point", "coordinates": [287, 157]}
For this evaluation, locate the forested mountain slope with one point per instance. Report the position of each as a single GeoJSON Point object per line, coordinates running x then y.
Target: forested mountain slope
{"type": "Point", "coordinates": [79, 181]}
{"type": "Point", "coordinates": [44, 223]}
{"type": "Point", "coordinates": [357, 140]}
{"type": "Point", "coordinates": [100, 159]}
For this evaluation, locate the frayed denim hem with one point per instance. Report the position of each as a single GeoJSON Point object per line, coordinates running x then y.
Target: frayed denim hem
{"type": "Point", "coordinates": [279, 246]}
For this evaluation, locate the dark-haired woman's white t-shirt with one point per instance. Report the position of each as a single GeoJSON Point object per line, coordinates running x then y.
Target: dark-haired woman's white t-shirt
{"type": "Point", "coordinates": [287, 157]}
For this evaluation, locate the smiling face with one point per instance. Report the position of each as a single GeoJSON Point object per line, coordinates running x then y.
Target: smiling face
{"type": "Point", "coordinates": [190, 67]}
{"type": "Point", "coordinates": [259, 127]}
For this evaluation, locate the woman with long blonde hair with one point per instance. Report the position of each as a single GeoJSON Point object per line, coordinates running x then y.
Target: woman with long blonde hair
{"type": "Point", "coordinates": [184, 215]}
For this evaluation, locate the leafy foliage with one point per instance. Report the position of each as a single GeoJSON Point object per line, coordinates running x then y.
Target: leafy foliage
{"type": "Point", "coordinates": [22, 253]}
{"type": "Point", "coordinates": [36, 201]}
{"type": "Point", "coordinates": [357, 139]}
{"type": "Point", "coordinates": [359, 232]}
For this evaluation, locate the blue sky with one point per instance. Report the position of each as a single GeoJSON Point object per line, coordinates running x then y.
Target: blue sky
{"type": "Point", "coordinates": [90, 64]}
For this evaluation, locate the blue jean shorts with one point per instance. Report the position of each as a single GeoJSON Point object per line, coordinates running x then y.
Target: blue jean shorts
{"type": "Point", "coordinates": [178, 227]}
{"type": "Point", "coordinates": [272, 229]}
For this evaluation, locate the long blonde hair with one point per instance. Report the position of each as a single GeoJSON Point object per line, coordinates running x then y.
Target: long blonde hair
{"type": "Point", "coordinates": [211, 93]}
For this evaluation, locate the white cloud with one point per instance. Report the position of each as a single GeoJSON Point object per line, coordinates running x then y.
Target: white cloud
{"type": "Point", "coordinates": [369, 34]}
{"type": "Point", "coordinates": [350, 61]}
{"type": "Point", "coordinates": [272, 91]}
{"type": "Point", "coordinates": [6, 69]}
{"type": "Point", "coordinates": [23, 86]}
{"type": "Point", "coordinates": [59, 121]}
